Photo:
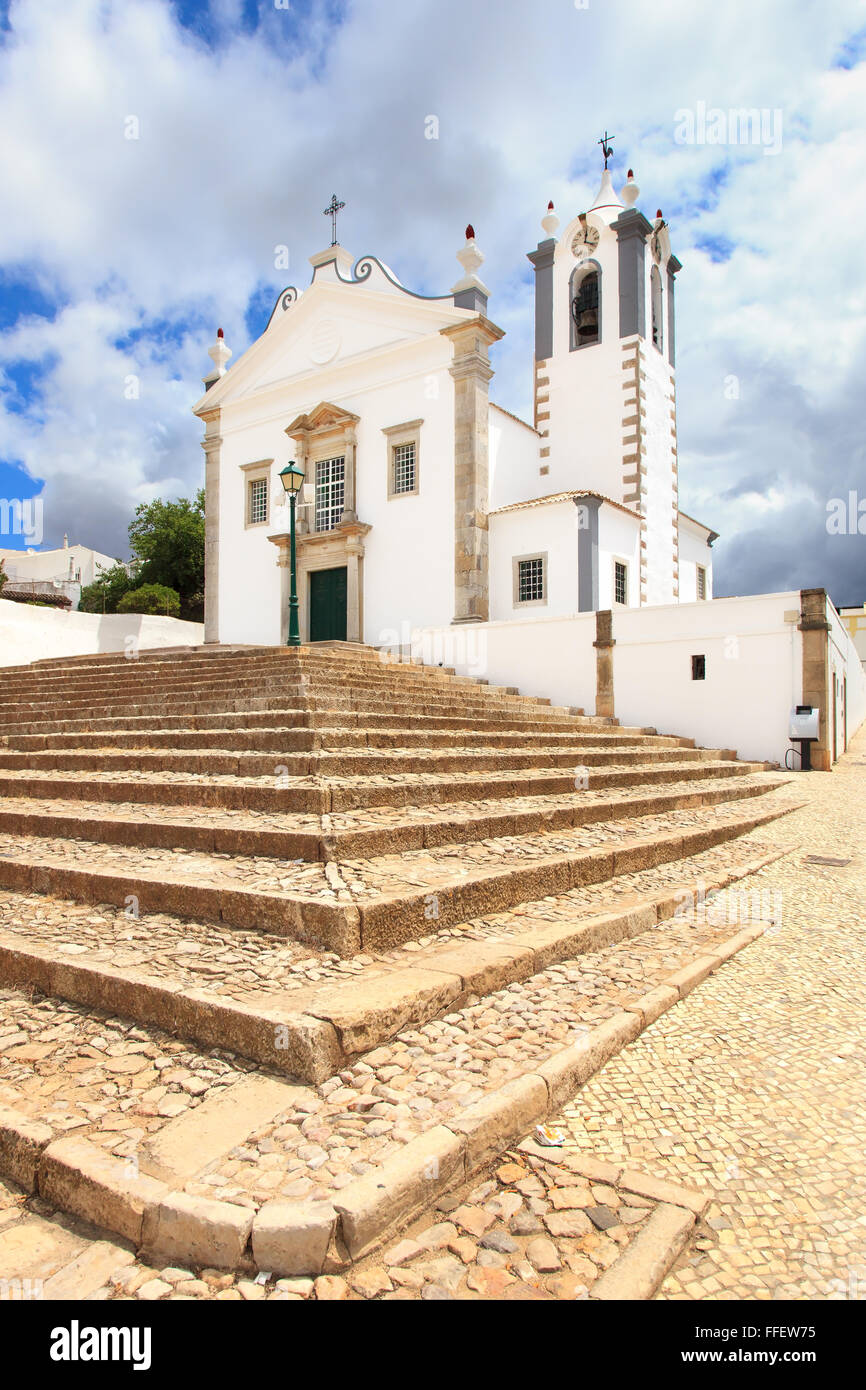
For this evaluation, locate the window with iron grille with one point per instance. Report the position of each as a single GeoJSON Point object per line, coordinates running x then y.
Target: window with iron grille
{"type": "Point", "coordinates": [702, 582]}
{"type": "Point", "coordinates": [620, 582]}
{"type": "Point", "coordinates": [530, 581]}
{"type": "Point", "coordinates": [257, 493]}
{"type": "Point", "coordinates": [330, 491]}
{"type": "Point", "coordinates": [404, 467]}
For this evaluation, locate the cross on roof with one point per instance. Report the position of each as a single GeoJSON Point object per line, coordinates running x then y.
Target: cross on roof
{"type": "Point", "coordinates": [606, 146]}
{"type": "Point", "coordinates": [331, 211]}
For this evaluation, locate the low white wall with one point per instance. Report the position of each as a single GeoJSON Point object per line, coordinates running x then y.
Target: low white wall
{"type": "Point", "coordinates": [31, 633]}
{"type": "Point", "coordinates": [753, 651]}
{"type": "Point", "coordinates": [754, 665]}
{"type": "Point", "coordinates": [550, 657]}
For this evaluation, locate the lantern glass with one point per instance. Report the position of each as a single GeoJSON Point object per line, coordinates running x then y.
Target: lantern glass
{"type": "Point", "coordinates": [292, 478]}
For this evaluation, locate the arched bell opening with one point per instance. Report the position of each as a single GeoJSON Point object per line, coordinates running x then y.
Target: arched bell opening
{"type": "Point", "coordinates": [585, 296]}
{"type": "Point", "coordinates": [657, 319]}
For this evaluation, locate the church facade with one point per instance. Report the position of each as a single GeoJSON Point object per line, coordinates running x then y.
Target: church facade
{"type": "Point", "coordinates": [426, 503]}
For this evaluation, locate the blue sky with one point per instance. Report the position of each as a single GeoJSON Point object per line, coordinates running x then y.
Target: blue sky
{"type": "Point", "coordinates": [119, 256]}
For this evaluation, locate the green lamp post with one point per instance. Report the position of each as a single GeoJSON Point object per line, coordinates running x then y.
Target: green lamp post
{"type": "Point", "coordinates": [292, 479]}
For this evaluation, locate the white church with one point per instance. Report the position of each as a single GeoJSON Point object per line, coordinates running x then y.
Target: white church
{"type": "Point", "coordinates": [426, 503]}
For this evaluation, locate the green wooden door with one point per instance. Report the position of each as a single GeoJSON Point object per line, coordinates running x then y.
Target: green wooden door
{"type": "Point", "coordinates": [328, 605]}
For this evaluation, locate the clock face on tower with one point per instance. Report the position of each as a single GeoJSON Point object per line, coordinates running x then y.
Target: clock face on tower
{"type": "Point", "coordinates": [585, 241]}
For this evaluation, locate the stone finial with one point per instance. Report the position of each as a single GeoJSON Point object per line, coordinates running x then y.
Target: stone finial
{"type": "Point", "coordinates": [629, 193]}
{"type": "Point", "coordinates": [219, 355]}
{"type": "Point", "coordinates": [470, 292]}
{"type": "Point", "coordinates": [550, 222]}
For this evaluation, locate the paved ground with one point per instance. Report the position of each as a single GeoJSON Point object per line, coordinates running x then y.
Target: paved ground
{"type": "Point", "coordinates": [753, 1088]}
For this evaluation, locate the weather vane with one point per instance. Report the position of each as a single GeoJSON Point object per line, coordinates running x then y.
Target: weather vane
{"type": "Point", "coordinates": [606, 146]}
{"type": "Point", "coordinates": [331, 211]}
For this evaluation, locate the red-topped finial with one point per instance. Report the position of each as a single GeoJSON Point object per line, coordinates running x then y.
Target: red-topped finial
{"type": "Point", "coordinates": [220, 333]}
{"type": "Point", "coordinates": [470, 232]}
{"type": "Point", "coordinates": [631, 173]}
{"type": "Point", "coordinates": [658, 212]}
{"type": "Point", "coordinates": [550, 206]}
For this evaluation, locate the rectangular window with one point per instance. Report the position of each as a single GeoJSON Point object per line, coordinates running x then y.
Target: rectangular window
{"type": "Point", "coordinates": [699, 668]}
{"type": "Point", "coordinates": [702, 582]}
{"type": "Point", "coordinates": [620, 582]}
{"type": "Point", "coordinates": [330, 489]}
{"type": "Point", "coordinates": [257, 501]}
{"type": "Point", "coordinates": [530, 581]}
{"type": "Point", "coordinates": [404, 467]}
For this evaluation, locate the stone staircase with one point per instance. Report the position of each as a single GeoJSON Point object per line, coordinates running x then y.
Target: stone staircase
{"type": "Point", "coordinates": [318, 901]}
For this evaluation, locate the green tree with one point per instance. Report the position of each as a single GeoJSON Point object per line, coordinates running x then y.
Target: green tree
{"type": "Point", "coordinates": [151, 598]}
{"type": "Point", "coordinates": [104, 594]}
{"type": "Point", "coordinates": [167, 541]}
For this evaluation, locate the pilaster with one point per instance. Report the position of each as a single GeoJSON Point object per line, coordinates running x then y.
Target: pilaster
{"type": "Point", "coordinates": [471, 372]}
{"type": "Point", "coordinates": [211, 444]}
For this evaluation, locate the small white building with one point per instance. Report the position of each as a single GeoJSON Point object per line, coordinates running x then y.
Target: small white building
{"type": "Point", "coordinates": [426, 503]}
{"type": "Point", "coordinates": [64, 571]}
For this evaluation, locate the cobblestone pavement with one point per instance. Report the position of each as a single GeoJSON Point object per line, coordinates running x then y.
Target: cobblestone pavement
{"type": "Point", "coordinates": [753, 1089]}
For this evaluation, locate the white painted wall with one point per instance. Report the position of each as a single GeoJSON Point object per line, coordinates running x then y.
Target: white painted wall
{"type": "Point", "coordinates": [694, 551]}
{"type": "Point", "coordinates": [754, 671]}
{"type": "Point", "coordinates": [391, 367]}
{"type": "Point", "coordinates": [30, 633]}
{"type": "Point", "coordinates": [514, 461]}
{"type": "Point", "coordinates": [618, 539]}
{"type": "Point", "coordinates": [847, 681]}
{"type": "Point", "coordinates": [660, 478]}
{"type": "Point", "coordinates": [551, 657]}
{"type": "Point", "coordinates": [550, 529]}
{"type": "Point", "coordinates": [754, 667]}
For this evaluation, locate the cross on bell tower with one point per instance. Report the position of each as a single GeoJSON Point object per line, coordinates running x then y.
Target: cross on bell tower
{"type": "Point", "coordinates": [331, 211]}
{"type": "Point", "coordinates": [606, 143]}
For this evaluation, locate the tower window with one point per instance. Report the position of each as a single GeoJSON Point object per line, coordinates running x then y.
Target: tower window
{"type": "Point", "coordinates": [620, 582]}
{"type": "Point", "coordinates": [656, 289]}
{"type": "Point", "coordinates": [702, 582]}
{"type": "Point", "coordinates": [585, 316]}
{"type": "Point", "coordinates": [699, 668]}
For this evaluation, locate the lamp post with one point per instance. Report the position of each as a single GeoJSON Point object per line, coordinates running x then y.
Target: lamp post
{"type": "Point", "coordinates": [292, 479]}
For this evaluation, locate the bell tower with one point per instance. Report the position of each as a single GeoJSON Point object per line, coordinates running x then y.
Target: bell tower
{"type": "Point", "coordinates": [604, 380]}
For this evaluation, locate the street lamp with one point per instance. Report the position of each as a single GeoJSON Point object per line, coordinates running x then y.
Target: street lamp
{"type": "Point", "coordinates": [292, 479]}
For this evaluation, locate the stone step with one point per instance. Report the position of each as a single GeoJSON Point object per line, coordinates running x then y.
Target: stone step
{"type": "Point", "coordinates": [371, 903]}
{"type": "Point", "coordinates": [287, 737]}
{"type": "Point", "coordinates": [310, 1015]}
{"type": "Point", "coordinates": [370, 832]}
{"type": "Point", "coordinates": [327, 796]}
{"type": "Point", "coordinates": [347, 763]}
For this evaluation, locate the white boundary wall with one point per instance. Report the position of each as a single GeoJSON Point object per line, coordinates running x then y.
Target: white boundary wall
{"type": "Point", "coordinates": [32, 633]}
{"type": "Point", "coordinates": [754, 671]}
{"type": "Point", "coordinates": [550, 657]}
{"type": "Point", "coordinates": [754, 667]}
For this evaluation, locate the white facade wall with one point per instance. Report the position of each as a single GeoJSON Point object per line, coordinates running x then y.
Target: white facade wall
{"type": "Point", "coordinates": [550, 530]}
{"type": "Point", "coordinates": [586, 384]}
{"type": "Point", "coordinates": [514, 461]}
{"type": "Point", "coordinates": [659, 500]}
{"type": "Point", "coordinates": [408, 566]}
{"type": "Point", "coordinates": [30, 633]}
{"type": "Point", "coordinates": [847, 684]}
{"type": "Point", "coordinates": [618, 539]}
{"type": "Point", "coordinates": [694, 551]}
